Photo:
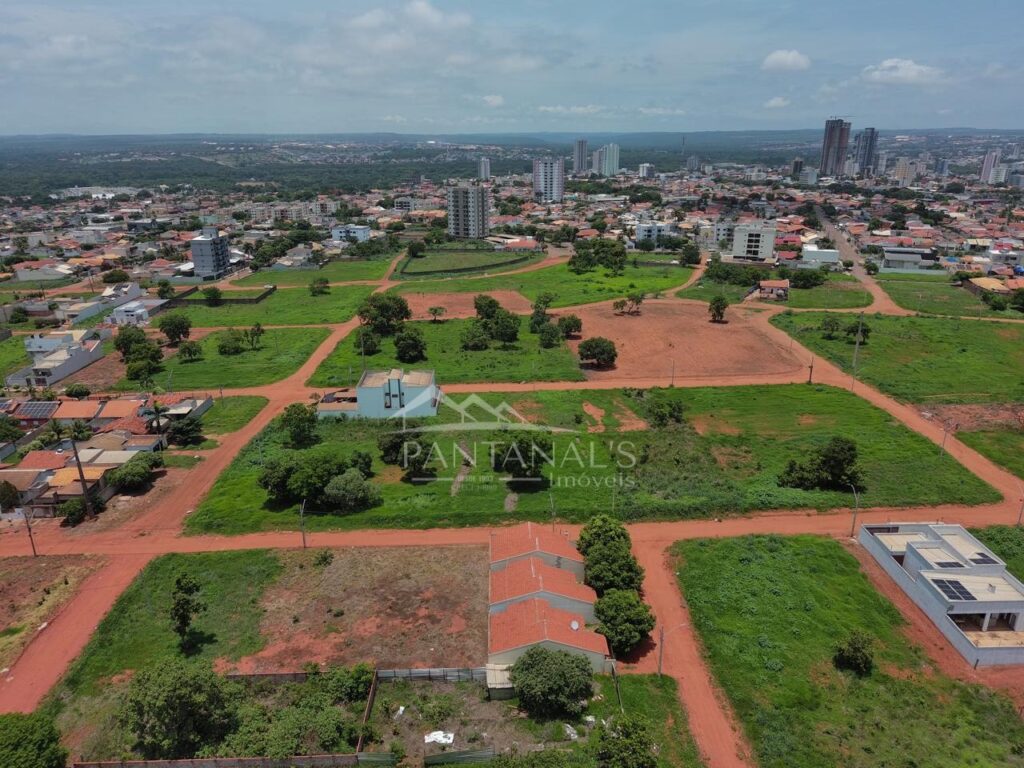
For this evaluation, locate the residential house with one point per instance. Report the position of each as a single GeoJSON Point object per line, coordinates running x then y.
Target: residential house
{"type": "Point", "coordinates": [385, 394]}
{"type": "Point", "coordinates": [536, 622]}
{"type": "Point", "coordinates": [531, 540]}
{"type": "Point", "coordinates": [533, 578]}
{"type": "Point", "coordinates": [773, 290]}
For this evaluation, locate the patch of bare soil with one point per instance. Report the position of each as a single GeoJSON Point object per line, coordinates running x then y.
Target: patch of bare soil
{"type": "Point", "coordinates": [597, 414]}
{"type": "Point", "coordinates": [707, 423]}
{"type": "Point", "coordinates": [34, 590]}
{"type": "Point", "coordinates": [978, 416]}
{"type": "Point", "coordinates": [460, 305]}
{"type": "Point", "coordinates": [397, 608]}
{"type": "Point", "coordinates": [628, 420]}
{"type": "Point", "coordinates": [511, 501]}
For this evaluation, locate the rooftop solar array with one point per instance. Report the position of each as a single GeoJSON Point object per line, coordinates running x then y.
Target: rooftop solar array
{"type": "Point", "coordinates": [981, 558]}
{"type": "Point", "coordinates": [953, 589]}
{"type": "Point", "coordinates": [949, 564]}
{"type": "Point", "coordinates": [37, 409]}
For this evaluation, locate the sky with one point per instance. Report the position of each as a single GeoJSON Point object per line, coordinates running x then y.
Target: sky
{"type": "Point", "coordinates": [462, 66]}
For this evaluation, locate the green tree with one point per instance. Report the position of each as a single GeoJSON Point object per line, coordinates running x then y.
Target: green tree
{"type": "Point", "coordinates": [857, 330]}
{"type": "Point", "coordinates": [855, 654]}
{"type": "Point", "coordinates": [9, 432]}
{"type": "Point", "coordinates": [213, 296]}
{"type": "Point", "coordinates": [365, 341]}
{"type": "Point", "coordinates": [417, 249]}
{"type": "Point", "coordinates": [251, 337]}
{"type": "Point", "coordinates": [551, 683]}
{"type": "Point", "coordinates": [570, 325]}
{"type": "Point", "coordinates": [523, 455]}
{"type": "Point", "coordinates": [351, 492]}
{"type": "Point", "coordinates": [20, 244]}
{"type": "Point", "coordinates": [9, 496]}
{"type": "Point", "coordinates": [625, 619]}
{"type": "Point", "coordinates": [485, 306]}
{"type": "Point", "coordinates": [77, 391]}
{"type": "Point", "coordinates": [830, 326]}
{"type": "Point", "coordinates": [612, 566]}
{"type": "Point", "coordinates": [134, 475]}
{"type": "Point", "coordinates": [175, 326]}
{"type": "Point", "coordinates": [187, 431]}
{"type": "Point", "coordinates": [231, 342]}
{"type": "Point", "coordinates": [435, 313]}
{"type": "Point", "coordinates": [30, 741]}
{"type": "Point", "coordinates": [504, 327]}
{"type": "Point", "coordinates": [116, 276]}
{"type": "Point", "coordinates": [299, 421]}
{"type": "Point", "coordinates": [475, 336]}
{"type": "Point", "coordinates": [832, 467]}
{"type": "Point", "coordinates": [189, 351]}
{"type": "Point", "coordinates": [319, 286]}
{"type": "Point", "coordinates": [127, 337]}
{"type": "Point", "coordinates": [384, 313]}
{"type": "Point", "coordinates": [602, 529]}
{"type": "Point", "coordinates": [717, 307]}
{"type": "Point", "coordinates": [549, 336]}
{"type": "Point", "coordinates": [626, 742]}
{"type": "Point", "coordinates": [410, 346]}
{"type": "Point", "coordinates": [599, 351]}
{"type": "Point", "coordinates": [165, 290]}
{"type": "Point", "coordinates": [186, 604]}
{"type": "Point", "coordinates": [646, 245]}
{"type": "Point", "coordinates": [176, 708]}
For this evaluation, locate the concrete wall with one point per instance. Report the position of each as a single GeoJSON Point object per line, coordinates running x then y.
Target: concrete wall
{"type": "Point", "coordinates": [583, 608]}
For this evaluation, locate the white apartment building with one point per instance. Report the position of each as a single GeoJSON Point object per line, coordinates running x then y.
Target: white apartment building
{"type": "Point", "coordinates": [549, 179]}
{"type": "Point", "coordinates": [754, 241]}
{"type": "Point", "coordinates": [210, 257]}
{"type": "Point", "coordinates": [484, 169]}
{"type": "Point", "coordinates": [358, 232]}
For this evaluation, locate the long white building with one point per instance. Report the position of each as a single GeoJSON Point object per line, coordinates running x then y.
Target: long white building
{"type": "Point", "coordinates": [549, 179]}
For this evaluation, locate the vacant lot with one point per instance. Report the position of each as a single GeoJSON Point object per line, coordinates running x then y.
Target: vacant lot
{"type": "Point", "coordinates": [229, 414]}
{"type": "Point", "coordinates": [280, 353]}
{"type": "Point", "coordinates": [724, 458]}
{"type": "Point", "coordinates": [838, 292]}
{"type": "Point", "coordinates": [460, 305]}
{"type": "Point", "coordinates": [771, 611]}
{"type": "Point", "coordinates": [34, 590]}
{"type": "Point", "coordinates": [1003, 446]}
{"type": "Point", "coordinates": [935, 295]}
{"type": "Point", "coordinates": [478, 723]}
{"type": "Point", "coordinates": [569, 288]}
{"type": "Point", "coordinates": [13, 355]}
{"type": "Point", "coordinates": [396, 608]}
{"type": "Point", "coordinates": [449, 259]}
{"type": "Point", "coordinates": [525, 360]}
{"type": "Point", "coordinates": [925, 359]}
{"type": "Point", "coordinates": [334, 272]}
{"type": "Point", "coordinates": [288, 306]}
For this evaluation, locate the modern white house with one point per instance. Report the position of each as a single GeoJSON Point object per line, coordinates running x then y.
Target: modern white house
{"type": "Point", "coordinates": [384, 394]}
{"type": "Point", "coordinates": [813, 257]}
{"type": "Point", "coordinates": [959, 583]}
{"type": "Point", "coordinates": [112, 296]}
{"type": "Point", "coordinates": [132, 313]}
{"type": "Point", "coordinates": [48, 368]}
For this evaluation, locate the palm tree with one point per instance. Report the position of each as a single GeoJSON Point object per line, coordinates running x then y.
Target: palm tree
{"type": "Point", "coordinates": [158, 411]}
{"type": "Point", "coordinates": [76, 430]}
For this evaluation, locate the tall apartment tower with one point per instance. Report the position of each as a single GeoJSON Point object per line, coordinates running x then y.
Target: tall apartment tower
{"type": "Point", "coordinates": [693, 163]}
{"type": "Point", "coordinates": [989, 166]}
{"type": "Point", "coordinates": [597, 161]}
{"type": "Point", "coordinates": [210, 254]}
{"type": "Point", "coordinates": [833, 148]}
{"type": "Point", "coordinates": [484, 170]}
{"type": "Point", "coordinates": [646, 171]}
{"type": "Point", "coordinates": [549, 179]}
{"type": "Point", "coordinates": [605, 161]}
{"type": "Point", "coordinates": [580, 158]}
{"type": "Point", "coordinates": [468, 211]}
{"type": "Point", "coordinates": [797, 168]}
{"type": "Point", "coordinates": [864, 149]}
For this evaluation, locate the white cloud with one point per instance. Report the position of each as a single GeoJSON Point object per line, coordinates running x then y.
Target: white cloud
{"type": "Point", "coordinates": [562, 109]}
{"type": "Point", "coordinates": [660, 111]}
{"type": "Point", "coordinates": [902, 72]}
{"type": "Point", "coordinates": [518, 62]}
{"type": "Point", "coordinates": [428, 15]}
{"type": "Point", "coordinates": [394, 119]}
{"type": "Point", "coordinates": [786, 61]}
{"type": "Point", "coordinates": [776, 102]}
{"type": "Point", "coordinates": [370, 19]}
{"type": "Point", "coordinates": [493, 100]}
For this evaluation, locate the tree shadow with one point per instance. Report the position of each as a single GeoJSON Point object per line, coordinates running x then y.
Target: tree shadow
{"type": "Point", "coordinates": [194, 642]}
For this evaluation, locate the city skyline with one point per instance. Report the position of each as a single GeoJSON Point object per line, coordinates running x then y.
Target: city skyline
{"type": "Point", "coordinates": [452, 66]}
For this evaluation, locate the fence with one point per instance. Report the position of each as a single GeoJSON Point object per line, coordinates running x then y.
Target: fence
{"type": "Point", "coordinates": [309, 761]}
{"type": "Point", "coordinates": [461, 758]}
{"type": "Point", "coordinates": [181, 300]}
{"type": "Point", "coordinates": [464, 270]}
{"type": "Point", "coordinates": [438, 675]}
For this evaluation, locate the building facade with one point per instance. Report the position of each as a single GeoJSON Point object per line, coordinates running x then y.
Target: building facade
{"type": "Point", "coordinates": [754, 241]}
{"type": "Point", "coordinates": [483, 171]}
{"type": "Point", "coordinates": [549, 179]}
{"type": "Point", "coordinates": [468, 211]}
{"type": "Point", "coordinates": [210, 254]}
{"type": "Point", "coordinates": [864, 151]}
{"type": "Point", "coordinates": [580, 158]}
{"type": "Point", "coordinates": [833, 146]}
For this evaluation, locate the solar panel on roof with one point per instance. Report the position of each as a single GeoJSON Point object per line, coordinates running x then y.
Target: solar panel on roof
{"type": "Point", "coordinates": [980, 558]}
{"type": "Point", "coordinates": [36, 409]}
{"type": "Point", "coordinates": [949, 564]}
{"type": "Point", "coordinates": [953, 589]}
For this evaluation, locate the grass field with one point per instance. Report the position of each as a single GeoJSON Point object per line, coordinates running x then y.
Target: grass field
{"type": "Point", "coordinates": [229, 414]}
{"type": "Point", "coordinates": [838, 292]}
{"type": "Point", "coordinates": [282, 351]}
{"type": "Point", "coordinates": [525, 360]}
{"type": "Point", "coordinates": [925, 359]}
{"type": "Point", "coordinates": [569, 288]}
{"type": "Point", "coordinates": [447, 259]}
{"type": "Point", "coordinates": [771, 611]}
{"type": "Point", "coordinates": [935, 295]}
{"type": "Point", "coordinates": [724, 459]}
{"type": "Point", "coordinates": [1008, 543]}
{"type": "Point", "coordinates": [288, 306]}
{"type": "Point", "coordinates": [1003, 446]}
{"type": "Point", "coordinates": [13, 355]}
{"type": "Point", "coordinates": [334, 272]}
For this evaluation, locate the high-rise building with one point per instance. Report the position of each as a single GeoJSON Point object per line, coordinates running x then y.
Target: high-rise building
{"type": "Point", "coordinates": [549, 179]}
{"type": "Point", "coordinates": [468, 211]}
{"type": "Point", "coordinates": [484, 170]}
{"type": "Point", "coordinates": [881, 163]}
{"type": "Point", "coordinates": [605, 161]}
{"type": "Point", "coordinates": [597, 161]}
{"type": "Point", "coordinates": [905, 172]}
{"type": "Point", "coordinates": [942, 168]}
{"type": "Point", "coordinates": [693, 163]}
{"type": "Point", "coordinates": [999, 174]}
{"type": "Point", "coordinates": [646, 171]}
{"type": "Point", "coordinates": [809, 176]}
{"type": "Point", "coordinates": [833, 147]}
{"type": "Point", "coordinates": [797, 167]}
{"type": "Point", "coordinates": [988, 165]}
{"type": "Point", "coordinates": [210, 254]}
{"type": "Point", "coordinates": [579, 156]}
{"type": "Point", "coordinates": [864, 149]}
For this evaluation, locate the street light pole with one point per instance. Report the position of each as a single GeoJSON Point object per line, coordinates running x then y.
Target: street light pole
{"type": "Point", "coordinates": [856, 509]}
{"type": "Point", "coordinates": [302, 522]}
{"type": "Point", "coordinates": [661, 648]}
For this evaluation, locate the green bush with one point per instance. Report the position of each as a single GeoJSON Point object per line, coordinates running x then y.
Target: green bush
{"type": "Point", "coordinates": [612, 566]}
{"type": "Point", "coordinates": [552, 683]}
{"type": "Point", "coordinates": [30, 741]}
{"type": "Point", "coordinates": [626, 620]}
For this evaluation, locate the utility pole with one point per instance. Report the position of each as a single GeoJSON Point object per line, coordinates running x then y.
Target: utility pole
{"type": "Point", "coordinates": [856, 509]}
{"type": "Point", "coordinates": [856, 348]}
{"type": "Point", "coordinates": [31, 538]}
{"type": "Point", "coordinates": [302, 522]}
{"type": "Point", "coordinates": [551, 501]}
{"type": "Point", "coordinates": [661, 648]}
{"type": "Point", "coordinates": [672, 383]}
{"type": "Point", "coordinates": [81, 478]}
{"type": "Point", "coordinates": [810, 371]}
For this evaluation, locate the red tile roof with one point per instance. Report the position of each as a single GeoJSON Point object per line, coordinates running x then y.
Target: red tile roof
{"type": "Point", "coordinates": [120, 409]}
{"type": "Point", "coordinates": [43, 460]}
{"type": "Point", "coordinates": [135, 425]}
{"type": "Point", "coordinates": [77, 409]}
{"type": "Point", "coordinates": [534, 621]}
{"type": "Point", "coordinates": [533, 576]}
{"type": "Point", "coordinates": [530, 538]}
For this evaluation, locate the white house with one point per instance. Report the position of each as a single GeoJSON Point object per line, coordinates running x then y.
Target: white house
{"type": "Point", "coordinates": [358, 232]}
{"type": "Point", "coordinates": [385, 394]}
{"type": "Point", "coordinates": [48, 369]}
{"type": "Point", "coordinates": [652, 230]}
{"type": "Point", "coordinates": [112, 296]}
{"type": "Point", "coordinates": [132, 313]}
{"type": "Point", "coordinates": [814, 257]}
{"type": "Point", "coordinates": [959, 583]}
